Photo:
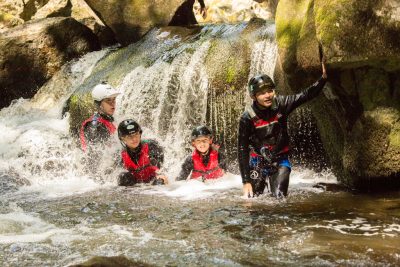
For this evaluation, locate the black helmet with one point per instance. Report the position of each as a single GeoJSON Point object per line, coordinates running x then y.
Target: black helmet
{"type": "Point", "coordinates": [127, 127]}
{"type": "Point", "coordinates": [200, 131]}
{"type": "Point", "coordinates": [259, 83]}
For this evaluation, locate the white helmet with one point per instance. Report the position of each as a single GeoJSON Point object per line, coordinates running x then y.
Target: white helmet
{"type": "Point", "coordinates": [102, 91]}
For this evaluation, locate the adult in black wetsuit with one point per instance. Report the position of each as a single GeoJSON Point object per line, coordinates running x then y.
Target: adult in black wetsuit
{"type": "Point", "coordinates": [184, 14]}
{"type": "Point", "coordinates": [263, 137]}
{"type": "Point", "coordinates": [206, 161]}
{"type": "Point", "coordinates": [142, 158]}
{"type": "Point", "coordinates": [99, 127]}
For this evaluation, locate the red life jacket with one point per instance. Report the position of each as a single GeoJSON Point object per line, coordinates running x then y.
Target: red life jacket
{"type": "Point", "coordinates": [211, 171]}
{"type": "Point", "coordinates": [143, 171]}
{"type": "Point", "coordinates": [109, 125]}
{"type": "Point", "coordinates": [260, 123]}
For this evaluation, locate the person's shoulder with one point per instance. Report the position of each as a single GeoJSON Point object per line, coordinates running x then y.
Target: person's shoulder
{"type": "Point", "coordinates": [245, 115]}
{"type": "Point", "coordinates": [93, 122]}
{"type": "Point", "coordinates": [151, 143]}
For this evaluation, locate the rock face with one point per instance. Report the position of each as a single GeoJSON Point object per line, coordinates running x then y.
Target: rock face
{"type": "Point", "coordinates": [14, 13]}
{"type": "Point", "coordinates": [31, 53]}
{"type": "Point", "coordinates": [130, 20]}
{"type": "Point", "coordinates": [359, 113]}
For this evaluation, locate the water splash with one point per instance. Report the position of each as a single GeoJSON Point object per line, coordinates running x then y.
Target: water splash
{"type": "Point", "coordinates": [36, 145]}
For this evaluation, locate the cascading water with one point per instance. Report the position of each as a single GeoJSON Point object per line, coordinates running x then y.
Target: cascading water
{"type": "Point", "coordinates": [53, 213]}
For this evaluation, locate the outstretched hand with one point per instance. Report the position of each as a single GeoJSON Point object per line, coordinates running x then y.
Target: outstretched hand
{"type": "Point", "coordinates": [247, 190]}
{"type": "Point", "coordinates": [162, 177]}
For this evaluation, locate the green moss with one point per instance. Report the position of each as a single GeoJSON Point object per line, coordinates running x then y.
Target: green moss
{"type": "Point", "coordinates": [394, 136]}
{"type": "Point", "coordinates": [327, 20]}
{"type": "Point", "coordinates": [81, 107]}
{"type": "Point", "coordinates": [289, 21]}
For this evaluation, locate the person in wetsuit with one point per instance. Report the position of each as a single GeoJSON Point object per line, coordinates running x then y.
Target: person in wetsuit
{"type": "Point", "coordinates": [142, 158]}
{"type": "Point", "coordinates": [206, 161]}
{"type": "Point", "coordinates": [99, 127]}
{"type": "Point", "coordinates": [184, 14]}
{"type": "Point", "coordinates": [263, 141]}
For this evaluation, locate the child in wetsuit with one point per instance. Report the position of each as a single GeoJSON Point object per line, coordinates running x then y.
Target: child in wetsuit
{"type": "Point", "coordinates": [206, 161]}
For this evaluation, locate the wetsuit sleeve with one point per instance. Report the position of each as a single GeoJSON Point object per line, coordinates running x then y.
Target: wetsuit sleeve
{"type": "Point", "coordinates": [187, 167]}
{"type": "Point", "coordinates": [244, 147]}
{"type": "Point", "coordinates": [291, 102]}
{"type": "Point", "coordinates": [156, 154]}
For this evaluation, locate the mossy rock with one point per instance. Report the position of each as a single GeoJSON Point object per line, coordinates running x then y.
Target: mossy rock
{"type": "Point", "coordinates": [352, 33]}
{"type": "Point", "coordinates": [361, 42]}
{"type": "Point", "coordinates": [373, 147]}
{"type": "Point", "coordinates": [227, 64]}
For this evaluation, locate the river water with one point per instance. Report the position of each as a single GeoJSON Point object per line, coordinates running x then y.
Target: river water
{"type": "Point", "coordinates": [53, 213]}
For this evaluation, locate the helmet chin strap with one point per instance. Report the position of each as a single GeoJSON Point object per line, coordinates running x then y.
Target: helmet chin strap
{"type": "Point", "coordinates": [103, 113]}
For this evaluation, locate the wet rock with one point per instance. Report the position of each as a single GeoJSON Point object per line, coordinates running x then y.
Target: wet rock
{"type": "Point", "coordinates": [331, 187]}
{"type": "Point", "coordinates": [358, 112]}
{"type": "Point", "coordinates": [11, 181]}
{"type": "Point", "coordinates": [31, 53]}
{"type": "Point", "coordinates": [117, 261]}
{"type": "Point", "coordinates": [15, 248]}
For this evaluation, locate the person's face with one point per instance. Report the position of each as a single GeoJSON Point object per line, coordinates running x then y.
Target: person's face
{"type": "Point", "coordinates": [132, 141]}
{"type": "Point", "coordinates": [265, 97]}
{"type": "Point", "coordinates": [107, 105]}
{"type": "Point", "coordinates": [202, 143]}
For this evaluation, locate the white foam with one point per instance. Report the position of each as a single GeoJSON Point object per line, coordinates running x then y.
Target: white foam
{"type": "Point", "coordinates": [196, 189]}
{"type": "Point", "coordinates": [64, 187]}
{"type": "Point", "coordinates": [19, 227]}
{"type": "Point", "coordinates": [359, 227]}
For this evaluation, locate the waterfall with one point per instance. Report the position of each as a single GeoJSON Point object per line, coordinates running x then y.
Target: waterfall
{"type": "Point", "coordinates": [166, 86]}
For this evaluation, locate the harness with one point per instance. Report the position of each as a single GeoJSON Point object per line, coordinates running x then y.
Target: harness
{"type": "Point", "coordinates": [211, 171]}
{"type": "Point", "coordinates": [109, 125]}
{"type": "Point", "coordinates": [143, 171]}
{"type": "Point", "coordinates": [267, 127]}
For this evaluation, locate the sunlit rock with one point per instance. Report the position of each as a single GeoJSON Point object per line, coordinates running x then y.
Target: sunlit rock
{"type": "Point", "coordinates": [130, 20]}
{"type": "Point", "coordinates": [228, 11]}
{"type": "Point", "coordinates": [31, 53]}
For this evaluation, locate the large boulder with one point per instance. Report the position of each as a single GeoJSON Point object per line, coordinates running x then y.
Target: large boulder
{"type": "Point", "coordinates": [55, 8]}
{"type": "Point", "coordinates": [358, 113]}
{"type": "Point", "coordinates": [31, 53]}
{"type": "Point", "coordinates": [9, 14]}
{"type": "Point", "coordinates": [14, 13]}
{"type": "Point", "coordinates": [130, 20]}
